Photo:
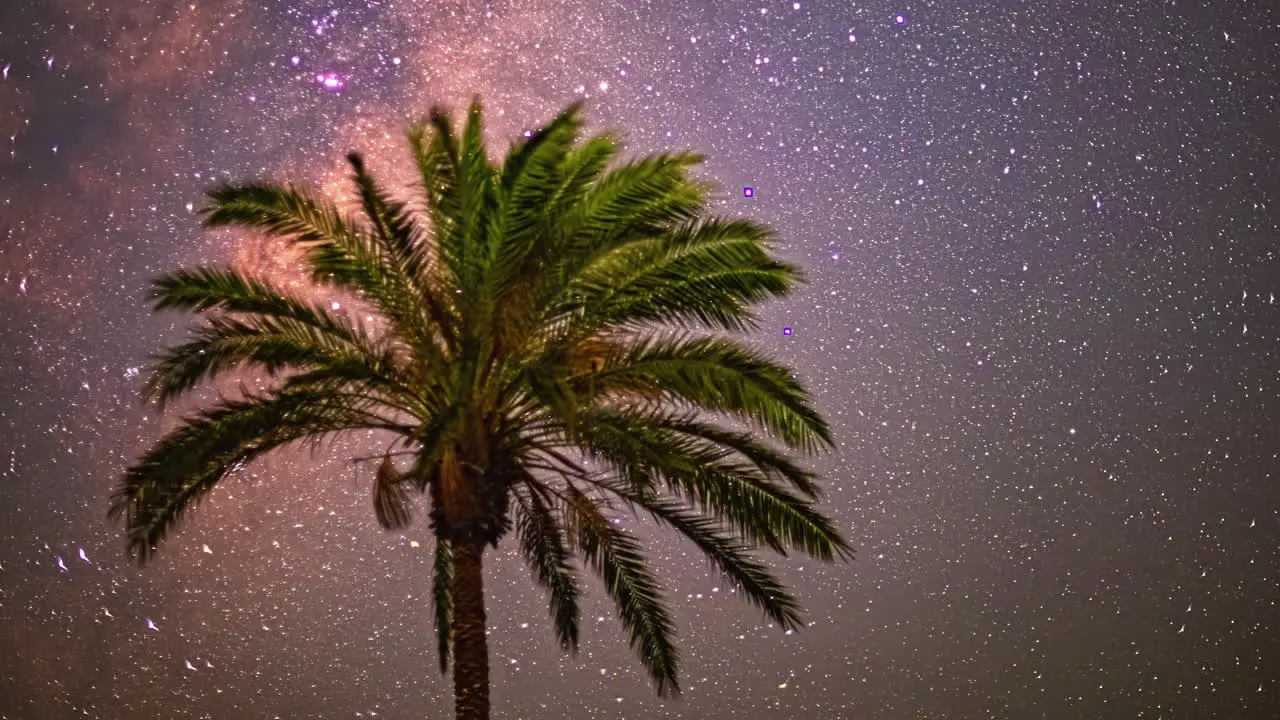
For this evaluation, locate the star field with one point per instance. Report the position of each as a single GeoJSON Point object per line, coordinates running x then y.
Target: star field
{"type": "Point", "coordinates": [1042, 245]}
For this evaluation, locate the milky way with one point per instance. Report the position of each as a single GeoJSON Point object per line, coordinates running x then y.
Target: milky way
{"type": "Point", "coordinates": [1041, 239]}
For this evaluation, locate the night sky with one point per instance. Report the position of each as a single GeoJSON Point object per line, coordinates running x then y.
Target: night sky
{"type": "Point", "coordinates": [1042, 244]}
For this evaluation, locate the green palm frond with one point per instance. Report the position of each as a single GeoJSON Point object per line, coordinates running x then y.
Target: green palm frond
{"type": "Point", "coordinates": [731, 557]}
{"type": "Point", "coordinates": [477, 226]}
{"type": "Point", "coordinates": [408, 264]}
{"type": "Point", "coordinates": [338, 251]}
{"type": "Point", "coordinates": [616, 558]}
{"type": "Point", "coordinates": [649, 455]}
{"type": "Point", "coordinates": [191, 460]}
{"type": "Point", "coordinates": [534, 164]}
{"type": "Point", "coordinates": [434, 150]}
{"type": "Point", "coordinates": [548, 555]}
{"type": "Point", "coordinates": [578, 175]}
{"type": "Point", "coordinates": [530, 176]}
{"type": "Point", "coordinates": [274, 343]}
{"type": "Point", "coordinates": [706, 272]}
{"type": "Point", "coordinates": [719, 375]}
{"type": "Point", "coordinates": [529, 181]}
{"type": "Point", "coordinates": [210, 288]}
{"type": "Point", "coordinates": [638, 200]}
{"type": "Point", "coordinates": [442, 599]}
{"type": "Point", "coordinates": [393, 225]}
{"type": "Point", "coordinates": [775, 466]}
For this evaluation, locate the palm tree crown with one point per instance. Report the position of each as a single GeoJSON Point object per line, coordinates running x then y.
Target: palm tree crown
{"type": "Point", "coordinates": [535, 319]}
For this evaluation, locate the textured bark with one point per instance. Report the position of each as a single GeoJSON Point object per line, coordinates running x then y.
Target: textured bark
{"type": "Point", "coordinates": [470, 650]}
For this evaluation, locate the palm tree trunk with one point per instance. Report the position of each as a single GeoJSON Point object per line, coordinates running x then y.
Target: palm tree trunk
{"type": "Point", "coordinates": [470, 650]}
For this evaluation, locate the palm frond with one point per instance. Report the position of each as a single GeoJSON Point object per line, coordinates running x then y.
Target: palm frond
{"type": "Point", "coordinates": [187, 463]}
{"type": "Point", "coordinates": [274, 343]}
{"type": "Point", "coordinates": [529, 180]}
{"type": "Point", "coordinates": [213, 288]}
{"type": "Point", "coordinates": [707, 272]}
{"type": "Point", "coordinates": [392, 223]}
{"type": "Point", "coordinates": [547, 554]}
{"type": "Point", "coordinates": [531, 155]}
{"type": "Point", "coordinates": [715, 374]}
{"type": "Point", "coordinates": [435, 153]}
{"type": "Point", "coordinates": [732, 558]}
{"type": "Point", "coordinates": [647, 455]}
{"type": "Point", "coordinates": [640, 199]}
{"type": "Point", "coordinates": [406, 261]}
{"type": "Point", "coordinates": [478, 228]}
{"type": "Point", "coordinates": [775, 466]}
{"type": "Point", "coordinates": [616, 557]}
{"type": "Point", "coordinates": [578, 174]}
{"type": "Point", "coordinates": [338, 251]}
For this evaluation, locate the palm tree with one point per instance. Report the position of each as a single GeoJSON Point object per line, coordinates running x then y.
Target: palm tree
{"type": "Point", "coordinates": [534, 347]}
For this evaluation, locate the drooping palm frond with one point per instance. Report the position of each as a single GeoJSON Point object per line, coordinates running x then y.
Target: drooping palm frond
{"type": "Point", "coordinates": [616, 558]}
{"type": "Point", "coordinates": [730, 556]}
{"type": "Point", "coordinates": [651, 458]}
{"type": "Point", "coordinates": [548, 555]}
{"type": "Point", "coordinates": [774, 465]}
{"type": "Point", "coordinates": [189, 461]}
